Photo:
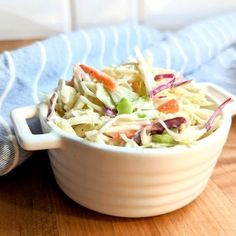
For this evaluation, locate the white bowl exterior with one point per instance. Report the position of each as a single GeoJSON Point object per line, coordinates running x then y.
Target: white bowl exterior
{"type": "Point", "coordinates": [134, 184]}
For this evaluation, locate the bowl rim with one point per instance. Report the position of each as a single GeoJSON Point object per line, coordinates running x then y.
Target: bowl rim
{"type": "Point", "coordinates": [212, 138]}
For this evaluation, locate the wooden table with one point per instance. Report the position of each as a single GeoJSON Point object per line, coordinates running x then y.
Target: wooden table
{"type": "Point", "coordinates": [31, 203]}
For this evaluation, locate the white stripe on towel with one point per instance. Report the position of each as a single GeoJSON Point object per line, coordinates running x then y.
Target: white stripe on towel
{"type": "Point", "coordinates": [102, 46]}
{"type": "Point", "coordinates": [127, 30]}
{"type": "Point", "coordinates": [208, 42]}
{"type": "Point", "coordinates": [116, 38]}
{"type": "Point", "coordinates": [221, 33]}
{"type": "Point", "coordinates": [227, 25]}
{"type": "Point", "coordinates": [148, 36]}
{"type": "Point", "coordinates": [205, 41]}
{"type": "Point", "coordinates": [181, 50]}
{"type": "Point", "coordinates": [196, 49]}
{"type": "Point", "coordinates": [12, 72]}
{"type": "Point", "coordinates": [219, 26]}
{"type": "Point", "coordinates": [69, 53]}
{"type": "Point", "coordinates": [139, 41]}
{"type": "Point", "coordinates": [168, 55]}
{"type": "Point", "coordinates": [37, 77]}
{"type": "Point", "coordinates": [88, 46]}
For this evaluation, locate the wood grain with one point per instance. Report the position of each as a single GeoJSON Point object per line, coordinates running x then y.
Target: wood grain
{"type": "Point", "coordinates": [31, 204]}
{"type": "Point", "coordinates": [14, 44]}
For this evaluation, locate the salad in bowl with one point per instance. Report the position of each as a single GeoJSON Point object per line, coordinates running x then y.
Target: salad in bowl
{"type": "Point", "coordinates": [134, 105]}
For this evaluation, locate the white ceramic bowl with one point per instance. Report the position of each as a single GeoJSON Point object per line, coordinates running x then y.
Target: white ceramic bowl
{"type": "Point", "coordinates": [124, 181]}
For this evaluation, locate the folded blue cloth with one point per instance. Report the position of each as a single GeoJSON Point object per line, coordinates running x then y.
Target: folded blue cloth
{"type": "Point", "coordinates": [205, 50]}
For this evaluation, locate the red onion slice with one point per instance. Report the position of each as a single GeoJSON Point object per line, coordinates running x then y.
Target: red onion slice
{"type": "Point", "coordinates": [170, 123]}
{"type": "Point", "coordinates": [109, 112]}
{"type": "Point", "coordinates": [137, 137]}
{"type": "Point", "coordinates": [52, 105]}
{"type": "Point", "coordinates": [175, 122]}
{"type": "Point", "coordinates": [216, 113]}
{"type": "Point", "coordinates": [180, 83]}
{"type": "Point", "coordinates": [164, 76]}
{"type": "Point", "coordinates": [161, 87]}
{"type": "Point", "coordinates": [161, 97]}
{"type": "Point", "coordinates": [77, 72]}
{"type": "Point", "coordinates": [157, 128]}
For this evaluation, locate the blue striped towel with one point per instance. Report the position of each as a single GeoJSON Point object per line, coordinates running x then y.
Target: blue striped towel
{"type": "Point", "coordinates": [205, 50]}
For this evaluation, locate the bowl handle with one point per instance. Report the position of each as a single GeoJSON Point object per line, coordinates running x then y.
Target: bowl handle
{"type": "Point", "coordinates": [219, 94]}
{"type": "Point", "coordinates": [26, 139]}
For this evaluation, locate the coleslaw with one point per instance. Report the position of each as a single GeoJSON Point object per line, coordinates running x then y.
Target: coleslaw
{"type": "Point", "coordinates": [134, 105]}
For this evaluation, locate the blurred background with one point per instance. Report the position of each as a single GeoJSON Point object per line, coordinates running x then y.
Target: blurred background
{"type": "Point", "coordinates": [21, 19]}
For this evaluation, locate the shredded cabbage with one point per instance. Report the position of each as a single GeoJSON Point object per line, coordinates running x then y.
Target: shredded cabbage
{"type": "Point", "coordinates": [128, 115]}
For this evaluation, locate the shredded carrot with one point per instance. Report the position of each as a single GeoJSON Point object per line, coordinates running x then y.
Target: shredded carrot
{"type": "Point", "coordinates": [170, 106]}
{"type": "Point", "coordinates": [100, 76]}
{"type": "Point", "coordinates": [129, 134]}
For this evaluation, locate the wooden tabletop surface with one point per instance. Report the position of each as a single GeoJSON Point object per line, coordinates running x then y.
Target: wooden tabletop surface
{"type": "Point", "coordinates": [31, 203]}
